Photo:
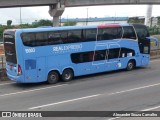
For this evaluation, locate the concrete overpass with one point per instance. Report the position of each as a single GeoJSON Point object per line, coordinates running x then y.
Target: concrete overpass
{"type": "Point", "coordinates": [57, 7]}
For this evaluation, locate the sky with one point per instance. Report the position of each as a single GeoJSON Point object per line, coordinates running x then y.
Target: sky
{"type": "Point", "coordinates": [30, 14]}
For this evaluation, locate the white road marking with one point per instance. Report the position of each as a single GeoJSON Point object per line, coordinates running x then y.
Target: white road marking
{"type": "Point", "coordinates": [133, 89]}
{"type": "Point", "coordinates": [149, 109]}
{"type": "Point", "coordinates": [86, 97]}
{"type": "Point", "coordinates": [31, 90]}
{"type": "Point", "coordinates": [66, 101]}
{"type": "Point", "coordinates": [113, 118]}
{"type": "Point", "coordinates": [7, 83]}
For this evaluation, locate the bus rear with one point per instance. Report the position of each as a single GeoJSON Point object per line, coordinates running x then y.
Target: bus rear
{"type": "Point", "coordinates": [12, 67]}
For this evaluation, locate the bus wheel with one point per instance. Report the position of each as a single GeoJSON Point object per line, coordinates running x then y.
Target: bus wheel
{"type": "Point", "coordinates": [67, 75]}
{"type": "Point", "coordinates": [130, 65]}
{"type": "Point", "coordinates": [53, 77]}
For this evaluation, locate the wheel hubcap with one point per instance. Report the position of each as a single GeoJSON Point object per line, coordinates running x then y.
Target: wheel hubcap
{"type": "Point", "coordinates": [53, 77]}
{"type": "Point", "coordinates": [67, 76]}
{"type": "Point", "coordinates": [130, 65]}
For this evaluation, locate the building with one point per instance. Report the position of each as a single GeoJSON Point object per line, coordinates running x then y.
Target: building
{"type": "Point", "coordinates": [95, 21]}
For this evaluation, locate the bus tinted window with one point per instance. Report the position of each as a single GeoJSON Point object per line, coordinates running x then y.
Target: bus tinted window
{"type": "Point", "coordinates": [82, 57]}
{"type": "Point", "coordinates": [141, 30]}
{"type": "Point", "coordinates": [109, 33]}
{"type": "Point", "coordinates": [74, 36]}
{"type": "Point", "coordinates": [9, 46]}
{"type": "Point", "coordinates": [125, 52]}
{"type": "Point", "coordinates": [28, 39]}
{"type": "Point", "coordinates": [129, 32]}
{"type": "Point", "coordinates": [90, 34]}
{"type": "Point", "coordinates": [100, 55]}
{"type": "Point", "coordinates": [54, 38]}
{"type": "Point", "coordinates": [64, 36]}
{"type": "Point", "coordinates": [114, 53]}
{"type": "Point", "coordinates": [41, 38]}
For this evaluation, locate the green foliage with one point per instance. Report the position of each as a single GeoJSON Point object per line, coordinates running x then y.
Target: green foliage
{"type": "Point", "coordinates": [70, 23]}
{"type": "Point", "coordinates": [25, 26]}
{"type": "Point", "coordinates": [9, 22]}
{"type": "Point", "coordinates": [154, 30]}
{"type": "Point", "coordinates": [158, 21]}
{"type": "Point", "coordinates": [135, 20]}
{"type": "Point", "coordinates": [42, 23]}
{"type": "Point", "coordinates": [33, 25]}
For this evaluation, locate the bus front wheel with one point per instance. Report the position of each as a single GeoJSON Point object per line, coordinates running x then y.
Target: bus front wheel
{"type": "Point", "coordinates": [130, 65]}
{"type": "Point", "coordinates": [67, 75]}
{"type": "Point", "coordinates": [53, 77]}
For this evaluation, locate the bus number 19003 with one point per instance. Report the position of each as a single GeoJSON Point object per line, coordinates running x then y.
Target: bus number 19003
{"type": "Point", "coordinates": [30, 50]}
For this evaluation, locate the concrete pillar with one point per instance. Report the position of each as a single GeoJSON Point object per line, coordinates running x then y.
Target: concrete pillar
{"type": "Point", "coordinates": [56, 11]}
{"type": "Point", "coordinates": [148, 15]}
{"type": "Point", "coordinates": [56, 21]}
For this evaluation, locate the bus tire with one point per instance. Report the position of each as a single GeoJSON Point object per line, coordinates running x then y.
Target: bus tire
{"type": "Point", "coordinates": [67, 75]}
{"type": "Point", "coordinates": [53, 77]}
{"type": "Point", "coordinates": [130, 65]}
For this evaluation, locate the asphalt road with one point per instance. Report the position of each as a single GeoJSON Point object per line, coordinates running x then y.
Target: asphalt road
{"type": "Point", "coordinates": [135, 90]}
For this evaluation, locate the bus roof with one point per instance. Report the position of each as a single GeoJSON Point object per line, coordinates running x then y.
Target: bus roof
{"type": "Point", "coordinates": [70, 27]}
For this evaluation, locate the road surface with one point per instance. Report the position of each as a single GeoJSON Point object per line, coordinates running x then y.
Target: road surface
{"type": "Point", "coordinates": [135, 90]}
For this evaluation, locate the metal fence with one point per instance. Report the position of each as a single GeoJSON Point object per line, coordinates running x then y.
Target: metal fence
{"type": "Point", "coordinates": [2, 62]}
{"type": "Point", "coordinates": [2, 67]}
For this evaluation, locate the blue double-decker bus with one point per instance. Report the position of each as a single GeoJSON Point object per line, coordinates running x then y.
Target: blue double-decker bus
{"type": "Point", "coordinates": [60, 53]}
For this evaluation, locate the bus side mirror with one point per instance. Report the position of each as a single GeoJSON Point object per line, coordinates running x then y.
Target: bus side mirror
{"type": "Point", "coordinates": [153, 39]}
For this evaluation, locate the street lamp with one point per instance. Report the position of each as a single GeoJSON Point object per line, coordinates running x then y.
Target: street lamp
{"type": "Point", "coordinates": [20, 16]}
{"type": "Point", "coordinates": [87, 17]}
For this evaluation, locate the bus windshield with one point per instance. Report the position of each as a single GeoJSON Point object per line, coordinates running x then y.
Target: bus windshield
{"type": "Point", "coordinates": [9, 46]}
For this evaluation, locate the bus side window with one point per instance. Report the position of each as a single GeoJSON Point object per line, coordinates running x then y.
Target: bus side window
{"type": "Point", "coordinates": [41, 38]}
{"type": "Point", "coordinates": [90, 35]}
{"type": "Point", "coordinates": [114, 53]}
{"type": "Point", "coordinates": [126, 52]}
{"type": "Point", "coordinates": [64, 36]}
{"type": "Point", "coordinates": [54, 38]}
{"type": "Point", "coordinates": [74, 36]}
{"type": "Point", "coordinates": [109, 33]}
{"type": "Point", "coordinates": [100, 55]}
{"type": "Point", "coordinates": [129, 32]}
{"type": "Point", "coordinates": [28, 39]}
{"type": "Point", "coordinates": [82, 57]}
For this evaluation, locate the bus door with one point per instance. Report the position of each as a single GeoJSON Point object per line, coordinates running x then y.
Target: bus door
{"type": "Point", "coordinates": [41, 69]}
{"type": "Point", "coordinates": [99, 58]}
{"type": "Point", "coordinates": [113, 61]}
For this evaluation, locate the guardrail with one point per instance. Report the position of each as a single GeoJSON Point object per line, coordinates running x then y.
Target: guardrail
{"type": "Point", "coordinates": [2, 67]}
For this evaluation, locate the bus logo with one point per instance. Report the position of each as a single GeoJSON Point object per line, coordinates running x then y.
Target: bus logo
{"type": "Point", "coordinates": [67, 47]}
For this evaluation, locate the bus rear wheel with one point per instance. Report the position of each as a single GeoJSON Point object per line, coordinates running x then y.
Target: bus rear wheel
{"type": "Point", "coordinates": [67, 75]}
{"type": "Point", "coordinates": [53, 77]}
{"type": "Point", "coordinates": [130, 65]}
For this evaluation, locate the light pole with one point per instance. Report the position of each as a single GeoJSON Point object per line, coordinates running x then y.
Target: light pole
{"type": "Point", "coordinates": [87, 17]}
{"type": "Point", "coordinates": [20, 16]}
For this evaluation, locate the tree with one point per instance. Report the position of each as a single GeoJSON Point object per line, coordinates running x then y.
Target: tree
{"type": "Point", "coordinates": [136, 20]}
{"type": "Point", "coordinates": [70, 23]}
{"type": "Point", "coordinates": [158, 20]}
{"type": "Point", "coordinates": [42, 23]}
{"type": "Point", "coordinates": [9, 22]}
